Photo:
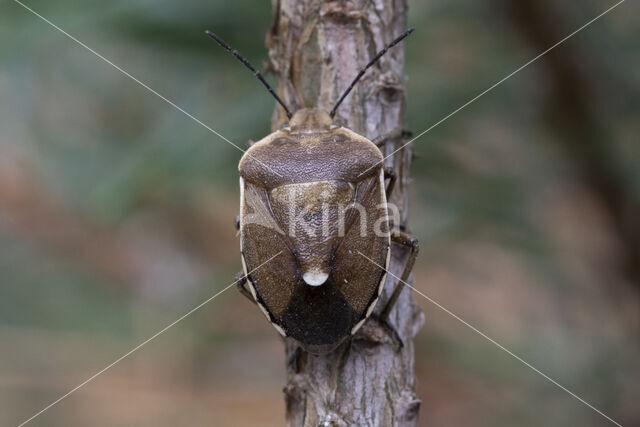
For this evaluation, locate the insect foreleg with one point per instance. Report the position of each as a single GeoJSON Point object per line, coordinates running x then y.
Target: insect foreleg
{"type": "Point", "coordinates": [397, 133]}
{"type": "Point", "coordinates": [389, 172]}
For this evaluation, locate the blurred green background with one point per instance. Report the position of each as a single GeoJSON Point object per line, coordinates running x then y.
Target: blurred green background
{"type": "Point", "coordinates": [116, 213]}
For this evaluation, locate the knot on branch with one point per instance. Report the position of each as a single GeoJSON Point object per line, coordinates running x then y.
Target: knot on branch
{"type": "Point", "coordinates": [295, 396]}
{"type": "Point", "coordinates": [341, 11]}
{"type": "Point", "coordinates": [332, 420]}
{"type": "Point", "coordinates": [407, 407]}
{"type": "Point", "coordinates": [372, 333]}
{"type": "Point", "coordinates": [390, 93]}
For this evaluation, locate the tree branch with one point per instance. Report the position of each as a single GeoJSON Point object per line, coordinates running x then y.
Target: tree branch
{"type": "Point", "coordinates": [316, 49]}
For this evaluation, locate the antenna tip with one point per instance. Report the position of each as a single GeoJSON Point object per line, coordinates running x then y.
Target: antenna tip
{"type": "Point", "coordinates": [217, 39]}
{"type": "Point", "coordinates": [211, 34]}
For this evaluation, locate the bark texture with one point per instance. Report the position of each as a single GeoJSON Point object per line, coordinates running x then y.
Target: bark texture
{"type": "Point", "coordinates": [316, 48]}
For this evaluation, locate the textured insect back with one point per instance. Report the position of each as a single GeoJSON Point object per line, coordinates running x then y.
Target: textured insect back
{"type": "Point", "coordinates": [315, 194]}
{"type": "Point", "coordinates": [302, 192]}
{"type": "Point", "coordinates": [301, 154]}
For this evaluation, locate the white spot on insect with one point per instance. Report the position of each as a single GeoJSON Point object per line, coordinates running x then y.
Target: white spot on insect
{"type": "Point", "coordinates": [350, 252]}
{"type": "Point", "coordinates": [315, 277]}
{"type": "Point", "coordinates": [346, 281]}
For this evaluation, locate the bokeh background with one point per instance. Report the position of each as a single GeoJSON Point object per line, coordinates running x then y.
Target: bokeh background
{"type": "Point", "coordinates": [116, 213]}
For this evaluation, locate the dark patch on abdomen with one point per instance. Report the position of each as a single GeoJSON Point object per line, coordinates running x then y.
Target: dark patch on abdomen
{"type": "Point", "coordinates": [318, 315]}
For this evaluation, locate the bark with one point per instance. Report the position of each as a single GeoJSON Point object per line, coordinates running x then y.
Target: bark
{"type": "Point", "coordinates": [316, 49]}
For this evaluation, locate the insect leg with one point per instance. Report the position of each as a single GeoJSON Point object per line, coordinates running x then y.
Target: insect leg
{"type": "Point", "coordinates": [389, 173]}
{"type": "Point", "coordinates": [411, 242]}
{"type": "Point", "coordinates": [296, 359]}
{"type": "Point", "coordinates": [388, 170]}
{"type": "Point", "coordinates": [241, 284]}
{"type": "Point", "coordinates": [394, 134]}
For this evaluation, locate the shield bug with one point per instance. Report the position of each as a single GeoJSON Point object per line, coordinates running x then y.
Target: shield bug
{"type": "Point", "coordinates": [317, 193]}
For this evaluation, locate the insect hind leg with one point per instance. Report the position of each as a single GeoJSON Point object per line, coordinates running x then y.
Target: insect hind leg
{"type": "Point", "coordinates": [241, 285]}
{"type": "Point", "coordinates": [412, 243]}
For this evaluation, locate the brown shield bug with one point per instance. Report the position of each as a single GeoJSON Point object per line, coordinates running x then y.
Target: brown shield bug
{"type": "Point", "coordinates": [316, 193]}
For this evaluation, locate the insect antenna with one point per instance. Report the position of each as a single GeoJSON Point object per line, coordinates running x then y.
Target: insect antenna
{"type": "Point", "coordinates": [361, 73]}
{"type": "Point", "coordinates": [249, 66]}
